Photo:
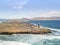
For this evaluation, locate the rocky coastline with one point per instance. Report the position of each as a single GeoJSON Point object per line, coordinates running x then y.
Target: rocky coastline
{"type": "Point", "coordinates": [8, 28]}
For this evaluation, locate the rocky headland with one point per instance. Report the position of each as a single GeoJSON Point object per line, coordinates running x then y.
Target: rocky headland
{"type": "Point", "coordinates": [9, 28]}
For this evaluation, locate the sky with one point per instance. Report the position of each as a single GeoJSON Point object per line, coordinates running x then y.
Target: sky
{"type": "Point", "coordinates": [14, 9]}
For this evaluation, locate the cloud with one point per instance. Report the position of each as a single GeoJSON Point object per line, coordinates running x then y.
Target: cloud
{"type": "Point", "coordinates": [13, 4]}
{"type": "Point", "coordinates": [46, 14]}
{"type": "Point", "coordinates": [50, 14]}
{"type": "Point", "coordinates": [19, 4]}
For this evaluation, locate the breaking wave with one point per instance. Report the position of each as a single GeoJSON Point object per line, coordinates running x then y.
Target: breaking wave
{"type": "Point", "coordinates": [12, 43]}
{"type": "Point", "coordinates": [29, 39]}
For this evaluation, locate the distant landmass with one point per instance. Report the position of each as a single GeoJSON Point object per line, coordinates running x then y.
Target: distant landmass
{"type": "Point", "coordinates": [26, 19]}
{"type": "Point", "coordinates": [38, 18]}
{"type": "Point", "coordinates": [20, 19]}
{"type": "Point", "coordinates": [46, 18]}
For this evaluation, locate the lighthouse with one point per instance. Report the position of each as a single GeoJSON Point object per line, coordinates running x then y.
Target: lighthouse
{"type": "Point", "coordinates": [38, 26]}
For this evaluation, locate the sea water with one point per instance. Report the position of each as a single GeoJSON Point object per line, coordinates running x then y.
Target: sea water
{"type": "Point", "coordinates": [29, 39]}
{"type": "Point", "coordinates": [35, 39]}
{"type": "Point", "coordinates": [47, 23]}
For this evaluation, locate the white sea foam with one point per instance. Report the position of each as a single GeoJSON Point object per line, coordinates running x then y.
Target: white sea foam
{"type": "Point", "coordinates": [53, 29]}
{"type": "Point", "coordinates": [12, 43]}
{"type": "Point", "coordinates": [58, 30]}
{"type": "Point", "coordinates": [40, 36]}
{"type": "Point", "coordinates": [27, 38]}
{"type": "Point", "coordinates": [50, 37]}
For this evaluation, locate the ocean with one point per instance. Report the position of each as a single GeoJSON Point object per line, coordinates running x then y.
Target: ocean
{"type": "Point", "coordinates": [35, 39]}
{"type": "Point", "coordinates": [47, 23]}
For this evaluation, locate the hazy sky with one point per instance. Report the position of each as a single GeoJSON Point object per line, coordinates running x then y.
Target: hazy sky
{"type": "Point", "coordinates": [29, 8]}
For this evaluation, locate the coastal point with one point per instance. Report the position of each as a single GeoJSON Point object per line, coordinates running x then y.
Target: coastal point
{"type": "Point", "coordinates": [21, 28]}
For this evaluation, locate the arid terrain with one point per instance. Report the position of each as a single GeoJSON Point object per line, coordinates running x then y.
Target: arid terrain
{"type": "Point", "coordinates": [21, 28]}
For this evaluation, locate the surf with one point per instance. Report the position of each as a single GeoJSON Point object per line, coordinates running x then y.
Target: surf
{"type": "Point", "coordinates": [12, 43]}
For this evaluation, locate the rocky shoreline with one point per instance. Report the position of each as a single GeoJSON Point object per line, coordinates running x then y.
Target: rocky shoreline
{"type": "Point", "coordinates": [34, 32]}
{"type": "Point", "coordinates": [8, 28]}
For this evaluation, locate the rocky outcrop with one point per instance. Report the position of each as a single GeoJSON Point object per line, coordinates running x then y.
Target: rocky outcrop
{"type": "Point", "coordinates": [21, 28]}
